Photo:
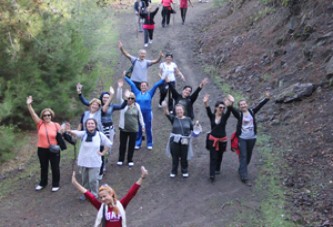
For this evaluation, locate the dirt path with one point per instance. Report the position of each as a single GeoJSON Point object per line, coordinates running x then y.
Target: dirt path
{"type": "Point", "coordinates": [161, 201]}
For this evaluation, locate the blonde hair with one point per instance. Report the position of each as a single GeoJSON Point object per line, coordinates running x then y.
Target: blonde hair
{"type": "Point", "coordinates": [95, 100]}
{"type": "Point", "coordinates": [49, 110]}
{"type": "Point", "coordinates": [131, 94]}
{"type": "Point", "coordinates": [113, 194]}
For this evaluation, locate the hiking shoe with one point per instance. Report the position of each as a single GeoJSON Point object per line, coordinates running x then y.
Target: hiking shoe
{"type": "Point", "coordinates": [130, 164]}
{"type": "Point", "coordinates": [150, 147]}
{"type": "Point", "coordinates": [119, 163]}
{"type": "Point", "coordinates": [185, 175]}
{"type": "Point", "coordinates": [38, 188]}
{"type": "Point", "coordinates": [55, 189]}
{"type": "Point", "coordinates": [146, 45]}
{"type": "Point", "coordinates": [172, 175]}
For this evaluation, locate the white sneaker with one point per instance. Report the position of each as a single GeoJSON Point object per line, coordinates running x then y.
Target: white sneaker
{"type": "Point", "coordinates": [146, 45]}
{"type": "Point", "coordinates": [150, 41]}
{"type": "Point", "coordinates": [159, 106]}
{"type": "Point", "coordinates": [136, 147]}
{"type": "Point", "coordinates": [38, 188]}
{"type": "Point", "coordinates": [55, 189]}
{"type": "Point", "coordinates": [150, 148]}
{"type": "Point", "coordinates": [119, 163]}
{"type": "Point", "coordinates": [186, 175]}
{"type": "Point", "coordinates": [130, 164]}
{"type": "Point", "coordinates": [172, 175]}
{"type": "Point", "coordinates": [100, 177]}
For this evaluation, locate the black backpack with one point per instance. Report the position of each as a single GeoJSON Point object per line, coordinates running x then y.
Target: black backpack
{"type": "Point", "coordinates": [137, 6]}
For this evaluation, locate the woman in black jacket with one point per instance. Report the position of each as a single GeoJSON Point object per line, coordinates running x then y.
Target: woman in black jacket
{"type": "Point", "coordinates": [148, 25]}
{"type": "Point", "coordinates": [247, 133]}
{"type": "Point", "coordinates": [217, 138]}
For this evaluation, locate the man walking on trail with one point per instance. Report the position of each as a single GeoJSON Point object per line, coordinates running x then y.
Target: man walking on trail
{"type": "Point", "coordinates": [140, 65]}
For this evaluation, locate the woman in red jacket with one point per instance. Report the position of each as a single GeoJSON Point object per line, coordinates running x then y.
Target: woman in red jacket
{"type": "Point", "coordinates": [111, 211]}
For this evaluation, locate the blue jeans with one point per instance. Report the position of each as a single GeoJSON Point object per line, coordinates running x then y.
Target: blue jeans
{"type": "Point", "coordinates": [147, 118]}
{"type": "Point", "coordinates": [246, 147]}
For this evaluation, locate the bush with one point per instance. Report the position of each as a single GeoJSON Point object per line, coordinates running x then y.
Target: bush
{"type": "Point", "coordinates": [8, 139]}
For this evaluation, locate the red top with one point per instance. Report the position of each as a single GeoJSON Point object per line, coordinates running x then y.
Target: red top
{"type": "Point", "coordinates": [52, 129]}
{"type": "Point", "coordinates": [183, 4]}
{"type": "Point", "coordinates": [166, 3]}
{"type": "Point", "coordinates": [113, 220]}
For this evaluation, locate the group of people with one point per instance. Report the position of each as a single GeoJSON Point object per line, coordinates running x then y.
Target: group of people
{"type": "Point", "coordinates": [145, 15]}
{"type": "Point", "coordinates": [96, 132]}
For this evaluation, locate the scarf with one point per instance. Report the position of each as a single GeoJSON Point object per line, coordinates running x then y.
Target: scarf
{"type": "Point", "coordinates": [100, 214]}
{"type": "Point", "coordinates": [216, 141]}
{"type": "Point", "coordinates": [90, 135]}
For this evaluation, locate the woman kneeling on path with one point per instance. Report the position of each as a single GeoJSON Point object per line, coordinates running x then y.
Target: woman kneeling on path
{"type": "Point", "coordinates": [89, 159]}
{"type": "Point", "coordinates": [246, 131]}
{"type": "Point", "coordinates": [111, 211]}
{"type": "Point", "coordinates": [217, 138]}
{"type": "Point", "coordinates": [179, 144]}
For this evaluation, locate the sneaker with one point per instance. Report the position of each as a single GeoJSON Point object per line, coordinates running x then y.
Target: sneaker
{"type": "Point", "coordinates": [130, 164]}
{"type": "Point", "coordinates": [150, 148]}
{"type": "Point", "coordinates": [100, 177]}
{"type": "Point", "coordinates": [150, 41]}
{"type": "Point", "coordinates": [159, 106]}
{"type": "Point", "coordinates": [38, 188]}
{"type": "Point", "coordinates": [172, 175]}
{"type": "Point", "coordinates": [119, 163]}
{"type": "Point", "coordinates": [146, 45]}
{"type": "Point", "coordinates": [55, 189]}
{"type": "Point", "coordinates": [186, 175]}
{"type": "Point", "coordinates": [82, 198]}
{"type": "Point", "coordinates": [137, 148]}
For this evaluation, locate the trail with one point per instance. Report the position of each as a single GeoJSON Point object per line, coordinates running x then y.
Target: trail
{"type": "Point", "coordinates": [161, 201]}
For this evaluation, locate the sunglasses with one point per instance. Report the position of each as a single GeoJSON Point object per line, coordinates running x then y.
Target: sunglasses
{"type": "Point", "coordinates": [221, 107]}
{"type": "Point", "coordinates": [131, 98]}
{"type": "Point", "coordinates": [46, 115]}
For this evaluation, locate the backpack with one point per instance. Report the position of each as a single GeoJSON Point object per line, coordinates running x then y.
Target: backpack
{"type": "Point", "coordinates": [140, 6]}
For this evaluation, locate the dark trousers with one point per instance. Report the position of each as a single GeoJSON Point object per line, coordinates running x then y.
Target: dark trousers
{"type": "Point", "coordinates": [183, 12]}
{"type": "Point", "coordinates": [216, 158]}
{"type": "Point", "coordinates": [137, 84]}
{"type": "Point", "coordinates": [45, 156]}
{"type": "Point", "coordinates": [164, 91]}
{"type": "Point", "coordinates": [179, 152]}
{"type": "Point", "coordinates": [166, 12]}
{"type": "Point", "coordinates": [103, 161]}
{"type": "Point", "coordinates": [148, 34]}
{"type": "Point", "coordinates": [246, 147]}
{"type": "Point", "coordinates": [124, 137]}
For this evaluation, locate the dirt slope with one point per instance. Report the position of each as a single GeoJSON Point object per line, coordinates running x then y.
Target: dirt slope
{"type": "Point", "coordinates": [161, 201]}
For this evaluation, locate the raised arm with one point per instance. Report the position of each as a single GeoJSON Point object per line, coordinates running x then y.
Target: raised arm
{"type": "Point", "coordinates": [107, 103]}
{"type": "Point", "coordinates": [262, 102]}
{"type": "Point", "coordinates": [77, 185]}
{"type": "Point", "coordinates": [195, 94]}
{"type": "Point", "coordinates": [179, 73]}
{"type": "Point", "coordinates": [134, 89]}
{"type": "Point", "coordinates": [144, 173]}
{"type": "Point", "coordinates": [32, 112]}
{"type": "Point", "coordinates": [123, 51]}
{"type": "Point", "coordinates": [157, 60]}
{"type": "Point", "coordinates": [81, 97]}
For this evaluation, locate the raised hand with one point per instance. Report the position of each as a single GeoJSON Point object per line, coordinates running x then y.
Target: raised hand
{"type": "Point", "coordinates": [79, 88]}
{"type": "Point", "coordinates": [203, 82]}
{"type": "Point", "coordinates": [29, 100]}
{"type": "Point", "coordinates": [144, 172]}
{"type": "Point", "coordinates": [111, 90]}
{"type": "Point", "coordinates": [205, 98]}
{"type": "Point", "coordinates": [120, 83]}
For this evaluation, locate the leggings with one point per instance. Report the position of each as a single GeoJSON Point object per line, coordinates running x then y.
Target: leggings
{"type": "Point", "coordinates": [183, 13]}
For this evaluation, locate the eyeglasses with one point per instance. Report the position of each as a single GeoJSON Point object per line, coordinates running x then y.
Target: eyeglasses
{"type": "Point", "coordinates": [131, 98]}
{"type": "Point", "coordinates": [46, 115]}
{"type": "Point", "coordinates": [221, 107]}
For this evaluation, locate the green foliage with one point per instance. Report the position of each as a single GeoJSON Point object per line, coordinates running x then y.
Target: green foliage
{"type": "Point", "coordinates": [45, 49]}
{"type": "Point", "coordinates": [8, 138]}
